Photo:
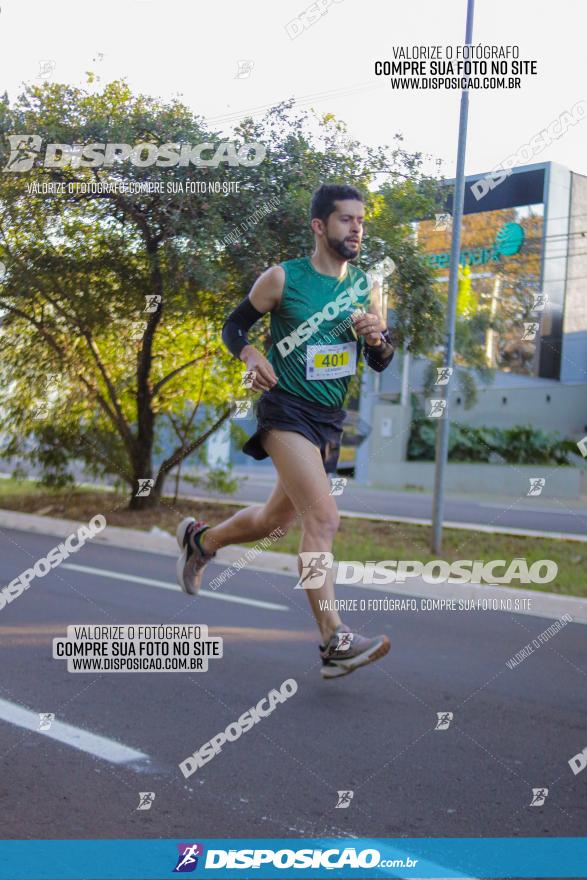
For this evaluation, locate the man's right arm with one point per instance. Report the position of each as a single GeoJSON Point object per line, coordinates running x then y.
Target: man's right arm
{"type": "Point", "coordinates": [265, 296]}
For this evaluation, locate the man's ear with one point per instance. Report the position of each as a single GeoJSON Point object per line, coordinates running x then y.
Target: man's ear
{"type": "Point", "coordinates": [318, 227]}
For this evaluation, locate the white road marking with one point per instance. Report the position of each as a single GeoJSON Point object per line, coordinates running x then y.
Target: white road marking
{"type": "Point", "coordinates": [99, 746]}
{"type": "Point", "coordinates": [165, 585]}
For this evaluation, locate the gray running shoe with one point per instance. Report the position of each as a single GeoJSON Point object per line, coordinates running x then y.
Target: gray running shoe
{"type": "Point", "coordinates": [191, 563]}
{"type": "Point", "coordinates": [346, 651]}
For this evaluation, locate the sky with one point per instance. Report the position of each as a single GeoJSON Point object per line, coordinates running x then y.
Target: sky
{"type": "Point", "coordinates": [193, 49]}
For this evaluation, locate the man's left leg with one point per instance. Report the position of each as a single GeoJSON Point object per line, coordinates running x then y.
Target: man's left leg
{"type": "Point", "coordinates": [301, 470]}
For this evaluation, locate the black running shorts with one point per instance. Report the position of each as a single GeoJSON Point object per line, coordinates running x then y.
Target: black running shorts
{"type": "Point", "coordinates": [322, 425]}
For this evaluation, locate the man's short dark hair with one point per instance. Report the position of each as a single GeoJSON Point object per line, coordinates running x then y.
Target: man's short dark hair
{"type": "Point", "coordinates": [326, 195]}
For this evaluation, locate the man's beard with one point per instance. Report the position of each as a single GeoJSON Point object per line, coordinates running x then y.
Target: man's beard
{"type": "Point", "coordinates": [341, 247]}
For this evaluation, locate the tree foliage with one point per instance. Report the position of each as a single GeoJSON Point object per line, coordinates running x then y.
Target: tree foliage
{"type": "Point", "coordinates": [113, 302]}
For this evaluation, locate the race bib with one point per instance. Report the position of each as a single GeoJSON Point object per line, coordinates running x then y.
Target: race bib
{"type": "Point", "coordinates": [331, 361]}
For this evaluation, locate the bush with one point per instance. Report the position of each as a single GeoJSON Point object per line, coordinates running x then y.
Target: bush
{"type": "Point", "coordinates": [521, 444]}
{"type": "Point", "coordinates": [524, 444]}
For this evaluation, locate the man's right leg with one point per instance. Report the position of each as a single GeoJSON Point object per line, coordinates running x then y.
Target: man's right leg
{"type": "Point", "coordinates": [252, 523]}
{"type": "Point", "coordinates": [199, 542]}
{"type": "Point", "coordinates": [303, 489]}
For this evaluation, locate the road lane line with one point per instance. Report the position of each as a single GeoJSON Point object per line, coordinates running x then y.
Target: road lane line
{"type": "Point", "coordinates": [99, 746]}
{"type": "Point", "coordinates": [165, 585]}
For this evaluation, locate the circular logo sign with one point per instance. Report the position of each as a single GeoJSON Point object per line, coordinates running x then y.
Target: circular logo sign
{"type": "Point", "coordinates": [509, 239]}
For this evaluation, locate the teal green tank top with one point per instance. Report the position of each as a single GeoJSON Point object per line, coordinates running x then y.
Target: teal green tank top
{"type": "Point", "coordinates": [313, 346]}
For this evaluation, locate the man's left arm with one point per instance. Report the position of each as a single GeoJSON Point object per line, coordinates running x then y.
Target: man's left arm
{"type": "Point", "coordinates": [380, 356]}
{"type": "Point", "coordinates": [370, 325]}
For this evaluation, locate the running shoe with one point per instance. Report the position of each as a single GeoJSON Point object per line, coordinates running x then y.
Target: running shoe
{"type": "Point", "coordinates": [191, 563]}
{"type": "Point", "coordinates": [346, 651]}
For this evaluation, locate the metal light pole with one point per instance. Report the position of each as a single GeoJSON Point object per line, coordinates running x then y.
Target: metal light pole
{"type": "Point", "coordinates": [459, 195]}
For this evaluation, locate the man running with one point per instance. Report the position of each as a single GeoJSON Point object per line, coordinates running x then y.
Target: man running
{"type": "Point", "coordinates": [323, 315]}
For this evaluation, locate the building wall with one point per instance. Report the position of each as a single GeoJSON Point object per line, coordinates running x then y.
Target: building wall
{"type": "Point", "coordinates": [525, 399]}
{"type": "Point", "coordinates": [561, 408]}
{"type": "Point", "coordinates": [554, 263]}
{"type": "Point", "coordinates": [574, 349]}
{"type": "Point", "coordinates": [551, 404]}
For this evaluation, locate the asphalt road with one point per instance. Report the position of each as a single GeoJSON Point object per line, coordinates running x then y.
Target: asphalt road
{"type": "Point", "coordinates": [372, 732]}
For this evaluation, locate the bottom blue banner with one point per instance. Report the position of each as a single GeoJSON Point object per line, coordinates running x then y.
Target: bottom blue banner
{"type": "Point", "coordinates": [272, 858]}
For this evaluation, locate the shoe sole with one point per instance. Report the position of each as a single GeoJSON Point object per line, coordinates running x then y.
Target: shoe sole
{"type": "Point", "coordinates": [180, 535]}
{"type": "Point", "coordinates": [181, 530]}
{"type": "Point", "coordinates": [345, 667]}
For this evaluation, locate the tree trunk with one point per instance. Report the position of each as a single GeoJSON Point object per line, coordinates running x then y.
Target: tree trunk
{"type": "Point", "coordinates": [146, 491]}
{"type": "Point", "coordinates": [177, 479]}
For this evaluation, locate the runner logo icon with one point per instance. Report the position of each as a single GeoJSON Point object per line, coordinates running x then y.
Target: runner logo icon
{"type": "Point", "coordinates": [152, 302]}
{"type": "Point", "coordinates": [242, 409]}
{"type": "Point", "coordinates": [45, 720]}
{"type": "Point", "coordinates": [337, 485]}
{"type": "Point", "coordinates": [444, 719]}
{"type": "Point", "coordinates": [443, 374]}
{"type": "Point", "coordinates": [536, 486]}
{"type": "Point", "coordinates": [146, 799]}
{"type": "Point", "coordinates": [539, 795]}
{"type": "Point", "coordinates": [344, 800]}
{"type": "Point", "coordinates": [23, 150]}
{"type": "Point", "coordinates": [345, 640]}
{"type": "Point", "coordinates": [144, 487]}
{"type": "Point", "coordinates": [315, 567]}
{"type": "Point", "coordinates": [187, 860]}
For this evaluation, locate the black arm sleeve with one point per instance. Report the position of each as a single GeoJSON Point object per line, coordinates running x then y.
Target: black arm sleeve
{"type": "Point", "coordinates": [379, 357]}
{"type": "Point", "coordinates": [234, 331]}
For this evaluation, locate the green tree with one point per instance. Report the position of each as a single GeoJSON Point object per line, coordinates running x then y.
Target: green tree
{"type": "Point", "coordinates": [114, 294]}
{"type": "Point", "coordinates": [119, 297]}
{"type": "Point", "coordinates": [408, 196]}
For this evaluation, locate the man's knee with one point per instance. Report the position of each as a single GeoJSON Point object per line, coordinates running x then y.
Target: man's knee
{"type": "Point", "coordinates": [322, 519]}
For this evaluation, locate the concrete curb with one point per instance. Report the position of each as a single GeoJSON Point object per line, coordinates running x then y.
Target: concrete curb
{"type": "Point", "coordinates": [146, 542]}
{"type": "Point", "coordinates": [546, 605]}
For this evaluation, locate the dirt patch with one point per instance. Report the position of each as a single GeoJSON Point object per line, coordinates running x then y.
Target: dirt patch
{"type": "Point", "coordinates": [82, 506]}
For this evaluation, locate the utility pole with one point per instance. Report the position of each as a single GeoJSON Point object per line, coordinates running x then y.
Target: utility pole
{"type": "Point", "coordinates": [455, 250]}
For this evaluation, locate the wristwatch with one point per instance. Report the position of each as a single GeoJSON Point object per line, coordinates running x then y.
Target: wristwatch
{"type": "Point", "coordinates": [385, 339]}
